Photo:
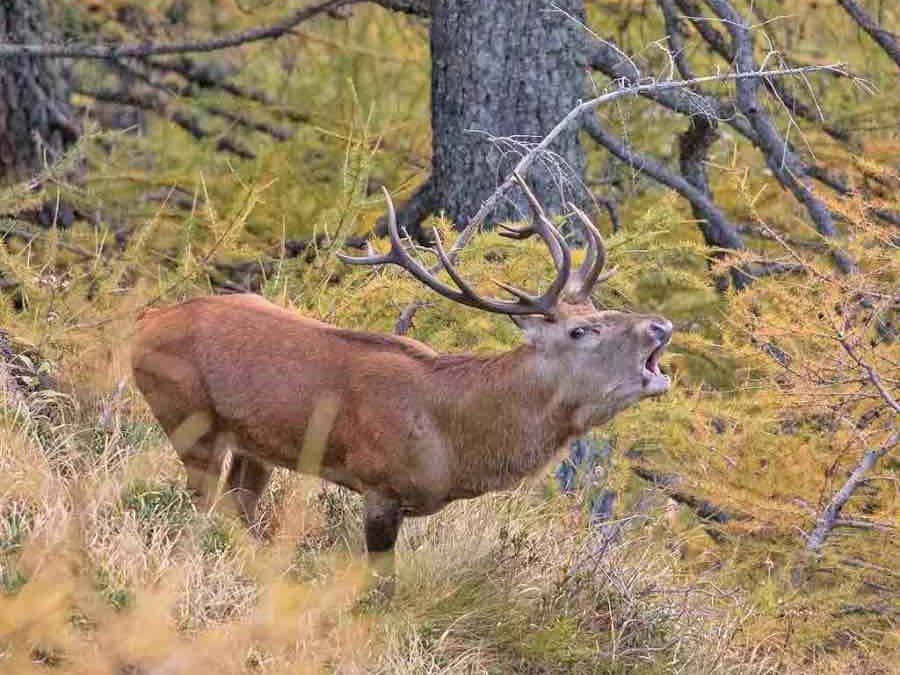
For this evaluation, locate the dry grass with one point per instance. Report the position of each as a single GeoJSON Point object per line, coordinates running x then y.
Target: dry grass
{"type": "Point", "coordinates": [107, 568]}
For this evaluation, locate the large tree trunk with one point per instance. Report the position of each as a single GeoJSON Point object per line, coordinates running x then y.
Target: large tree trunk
{"type": "Point", "coordinates": [35, 117]}
{"type": "Point", "coordinates": [508, 69]}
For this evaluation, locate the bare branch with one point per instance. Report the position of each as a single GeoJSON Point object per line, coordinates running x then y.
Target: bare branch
{"type": "Point", "coordinates": [719, 45]}
{"type": "Point", "coordinates": [827, 520]}
{"type": "Point", "coordinates": [147, 101]}
{"type": "Point", "coordinates": [717, 229]}
{"type": "Point", "coordinates": [872, 374]}
{"type": "Point", "coordinates": [693, 148]}
{"type": "Point", "coordinates": [206, 76]}
{"type": "Point", "coordinates": [669, 484]}
{"type": "Point", "coordinates": [81, 51]}
{"type": "Point", "coordinates": [421, 8]}
{"type": "Point", "coordinates": [190, 90]}
{"type": "Point", "coordinates": [675, 38]}
{"type": "Point", "coordinates": [405, 320]}
{"type": "Point", "coordinates": [579, 111]}
{"type": "Point", "coordinates": [612, 208]}
{"type": "Point", "coordinates": [886, 40]}
{"type": "Point", "coordinates": [781, 160]}
{"type": "Point", "coordinates": [606, 58]}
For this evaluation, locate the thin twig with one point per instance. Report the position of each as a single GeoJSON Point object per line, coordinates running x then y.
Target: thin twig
{"type": "Point", "coordinates": [872, 374]}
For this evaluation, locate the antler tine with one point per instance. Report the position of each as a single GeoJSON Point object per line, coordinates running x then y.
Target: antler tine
{"type": "Point", "coordinates": [542, 227]}
{"type": "Point", "coordinates": [591, 271]}
{"type": "Point", "coordinates": [466, 295]}
{"type": "Point", "coordinates": [399, 256]}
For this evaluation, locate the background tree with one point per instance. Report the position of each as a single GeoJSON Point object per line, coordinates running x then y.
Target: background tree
{"type": "Point", "coordinates": [37, 123]}
{"type": "Point", "coordinates": [501, 77]}
{"type": "Point", "coordinates": [36, 120]}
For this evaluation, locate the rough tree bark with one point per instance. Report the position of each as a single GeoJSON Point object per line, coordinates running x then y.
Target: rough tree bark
{"type": "Point", "coordinates": [35, 117]}
{"type": "Point", "coordinates": [504, 69]}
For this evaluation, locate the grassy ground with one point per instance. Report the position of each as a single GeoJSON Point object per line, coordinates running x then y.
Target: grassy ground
{"type": "Point", "coordinates": [107, 568]}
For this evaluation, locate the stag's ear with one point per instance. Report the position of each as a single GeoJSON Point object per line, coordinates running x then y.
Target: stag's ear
{"type": "Point", "coordinates": [532, 326]}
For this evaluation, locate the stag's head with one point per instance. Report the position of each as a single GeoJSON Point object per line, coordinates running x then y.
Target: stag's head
{"type": "Point", "coordinates": [608, 357]}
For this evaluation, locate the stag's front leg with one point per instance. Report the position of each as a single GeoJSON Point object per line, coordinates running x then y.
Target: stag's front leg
{"type": "Point", "coordinates": [382, 524]}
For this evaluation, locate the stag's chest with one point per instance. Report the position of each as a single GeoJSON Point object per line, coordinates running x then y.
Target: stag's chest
{"type": "Point", "coordinates": [501, 460]}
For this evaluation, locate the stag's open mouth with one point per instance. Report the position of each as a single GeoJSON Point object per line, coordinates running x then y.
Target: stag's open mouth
{"type": "Point", "coordinates": [655, 380]}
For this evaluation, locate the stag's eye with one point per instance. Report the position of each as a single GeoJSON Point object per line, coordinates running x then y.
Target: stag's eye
{"type": "Point", "coordinates": [578, 332]}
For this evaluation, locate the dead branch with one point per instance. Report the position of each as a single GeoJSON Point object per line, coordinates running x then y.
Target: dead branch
{"type": "Point", "coordinates": [704, 509]}
{"type": "Point", "coordinates": [405, 320]}
{"type": "Point", "coordinates": [675, 38]}
{"type": "Point", "coordinates": [827, 520]}
{"type": "Point", "coordinates": [82, 51]}
{"type": "Point", "coordinates": [580, 111]}
{"type": "Point", "coordinates": [886, 40]}
{"type": "Point", "coordinates": [156, 104]}
{"type": "Point", "coordinates": [872, 375]}
{"type": "Point", "coordinates": [612, 208]}
{"type": "Point", "coordinates": [781, 160]}
{"type": "Point", "coordinates": [717, 229]}
{"type": "Point", "coordinates": [420, 8]}
{"type": "Point", "coordinates": [719, 45]}
{"type": "Point", "coordinates": [693, 149]}
{"type": "Point", "coordinates": [190, 90]}
{"type": "Point", "coordinates": [608, 59]}
{"type": "Point", "coordinates": [206, 76]}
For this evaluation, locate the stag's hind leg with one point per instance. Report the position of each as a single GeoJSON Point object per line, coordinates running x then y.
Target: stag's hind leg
{"type": "Point", "coordinates": [177, 396]}
{"type": "Point", "coordinates": [247, 480]}
{"type": "Point", "coordinates": [203, 462]}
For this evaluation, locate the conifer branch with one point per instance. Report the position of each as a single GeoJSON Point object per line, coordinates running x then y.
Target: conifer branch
{"type": "Point", "coordinates": [780, 158]}
{"type": "Point", "coordinates": [717, 230]}
{"type": "Point", "coordinates": [149, 102]}
{"type": "Point", "coordinates": [82, 51]}
{"type": "Point", "coordinates": [728, 52]}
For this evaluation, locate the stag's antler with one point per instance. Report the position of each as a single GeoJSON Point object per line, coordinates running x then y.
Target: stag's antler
{"type": "Point", "coordinates": [545, 304]}
{"type": "Point", "coordinates": [582, 282]}
{"type": "Point", "coordinates": [591, 271]}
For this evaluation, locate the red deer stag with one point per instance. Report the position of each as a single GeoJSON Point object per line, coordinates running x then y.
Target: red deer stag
{"type": "Point", "coordinates": [386, 416]}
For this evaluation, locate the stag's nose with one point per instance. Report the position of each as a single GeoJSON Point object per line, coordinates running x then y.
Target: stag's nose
{"type": "Point", "coordinates": [661, 330]}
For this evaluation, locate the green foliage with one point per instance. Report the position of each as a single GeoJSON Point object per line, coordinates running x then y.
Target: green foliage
{"type": "Point", "coordinates": [158, 505]}
{"type": "Point", "coordinates": [216, 537]}
{"type": "Point", "coordinates": [117, 596]}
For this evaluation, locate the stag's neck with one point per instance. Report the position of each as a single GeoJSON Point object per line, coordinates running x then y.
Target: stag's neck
{"type": "Point", "coordinates": [504, 417]}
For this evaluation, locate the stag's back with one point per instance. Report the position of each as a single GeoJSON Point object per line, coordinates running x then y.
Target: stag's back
{"type": "Point", "coordinates": [243, 366]}
{"type": "Point", "coordinates": [234, 359]}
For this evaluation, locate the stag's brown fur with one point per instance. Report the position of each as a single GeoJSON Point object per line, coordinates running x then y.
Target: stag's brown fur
{"type": "Point", "coordinates": [386, 416]}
